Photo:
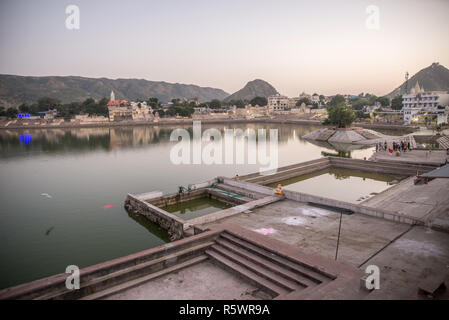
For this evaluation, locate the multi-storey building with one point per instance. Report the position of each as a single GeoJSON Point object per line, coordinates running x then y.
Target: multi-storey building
{"type": "Point", "coordinates": [278, 102]}
{"type": "Point", "coordinates": [420, 102]}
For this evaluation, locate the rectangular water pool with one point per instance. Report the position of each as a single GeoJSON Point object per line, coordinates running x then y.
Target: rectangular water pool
{"type": "Point", "coordinates": [340, 184]}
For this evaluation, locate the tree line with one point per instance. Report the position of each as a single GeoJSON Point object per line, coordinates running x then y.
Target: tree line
{"type": "Point", "coordinates": [186, 108]}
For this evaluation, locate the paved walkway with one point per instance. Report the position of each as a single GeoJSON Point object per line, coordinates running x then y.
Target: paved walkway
{"type": "Point", "coordinates": [426, 201]}
{"type": "Point", "coordinates": [435, 157]}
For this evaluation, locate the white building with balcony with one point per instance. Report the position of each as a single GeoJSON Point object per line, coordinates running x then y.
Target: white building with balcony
{"type": "Point", "coordinates": [419, 102]}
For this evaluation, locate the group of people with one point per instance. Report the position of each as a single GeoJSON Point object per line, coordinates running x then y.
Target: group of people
{"type": "Point", "coordinates": [397, 146]}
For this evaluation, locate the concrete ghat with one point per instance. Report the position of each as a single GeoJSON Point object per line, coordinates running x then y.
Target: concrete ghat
{"type": "Point", "coordinates": [216, 216]}
{"type": "Point", "coordinates": [357, 208]}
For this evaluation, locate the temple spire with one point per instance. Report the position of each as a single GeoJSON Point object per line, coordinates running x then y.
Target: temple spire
{"type": "Point", "coordinates": [112, 95]}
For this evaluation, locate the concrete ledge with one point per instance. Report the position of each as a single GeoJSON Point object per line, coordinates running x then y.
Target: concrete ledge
{"type": "Point", "coordinates": [55, 283]}
{"type": "Point", "coordinates": [357, 208]}
{"type": "Point", "coordinates": [216, 216]}
{"type": "Point", "coordinates": [168, 221]}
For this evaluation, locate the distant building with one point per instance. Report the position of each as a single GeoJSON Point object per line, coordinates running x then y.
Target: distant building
{"type": "Point", "coordinates": [141, 111]}
{"type": "Point", "coordinates": [278, 102]}
{"type": "Point", "coordinates": [119, 110]}
{"type": "Point", "coordinates": [420, 103]}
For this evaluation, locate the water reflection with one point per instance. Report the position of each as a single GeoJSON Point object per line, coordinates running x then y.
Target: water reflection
{"type": "Point", "coordinates": [150, 226]}
{"type": "Point", "coordinates": [15, 143]}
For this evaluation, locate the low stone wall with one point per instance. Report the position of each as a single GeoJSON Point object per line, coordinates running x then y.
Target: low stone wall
{"type": "Point", "coordinates": [175, 198]}
{"type": "Point", "coordinates": [168, 221]}
{"type": "Point", "coordinates": [357, 208]}
{"type": "Point", "coordinates": [150, 205]}
{"type": "Point", "coordinates": [303, 197]}
{"type": "Point", "coordinates": [56, 284]}
{"type": "Point", "coordinates": [295, 171]}
{"type": "Point", "coordinates": [385, 167]}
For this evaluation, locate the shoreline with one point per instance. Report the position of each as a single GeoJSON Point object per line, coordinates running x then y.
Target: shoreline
{"type": "Point", "coordinates": [211, 121]}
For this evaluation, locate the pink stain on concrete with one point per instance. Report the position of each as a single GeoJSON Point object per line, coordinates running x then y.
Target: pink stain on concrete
{"type": "Point", "coordinates": [265, 231]}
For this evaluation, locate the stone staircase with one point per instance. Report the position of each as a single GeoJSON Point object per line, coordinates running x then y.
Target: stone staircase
{"type": "Point", "coordinates": [443, 142]}
{"type": "Point", "coordinates": [276, 275]}
{"type": "Point", "coordinates": [114, 276]}
{"type": "Point", "coordinates": [325, 135]}
{"type": "Point", "coordinates": [368, 135]}
{"type": "Point", "coordinates": [291, 171]}
{"type": "Point", "coordinates": [279, 270]}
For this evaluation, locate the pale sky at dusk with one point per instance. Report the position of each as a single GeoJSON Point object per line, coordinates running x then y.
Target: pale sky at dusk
{"type": "Point", "coordinates": [312, 46]}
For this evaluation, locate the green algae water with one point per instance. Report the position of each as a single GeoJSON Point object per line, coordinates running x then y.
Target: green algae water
{"type": "Point", "coordinates": [196, 208]}
{"type": "Point", "coordinates": [63, 190]}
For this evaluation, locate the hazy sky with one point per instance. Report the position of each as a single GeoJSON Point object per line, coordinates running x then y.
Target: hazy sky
{"type": "Point", "coordinates": [312, 46]}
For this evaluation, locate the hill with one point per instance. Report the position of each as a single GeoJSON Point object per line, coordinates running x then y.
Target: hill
{"type": "Point", "coordinates": [433, 78]}
{"type": "Point", "coordinates": [255, 88]}
{"type": "Point", "coordinates": [15, 90]}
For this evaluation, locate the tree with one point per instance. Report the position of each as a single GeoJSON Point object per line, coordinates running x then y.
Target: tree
{"type": "Point", "coordinates": [340, 115]}
{"type": "Point", "coordinates": [47, 103]}
{"type": "Point", "coordinates": [24, 108]}
{"type": "Point", "coordinates": [153, 102]}
{"type": "Point", "coordinates": [260, 101]}
{"type": "Point", "coordinates": [357, 103]}
{"type": "Point", "coordinates": [336, 100]}
{"type": "Point", "coordinates": [396, 103]}
{"type": "Point", "coordinates": [215, 104]}
{"type": "Point", "coordinates": [304, 100]}
{"type": "Point", "coordinates": [240, 104]}
{"type": "Point", "coordinates": [384, 101]}
{"type": "Point", "coordinates": [361, 115]}
{"type": "Point", "coordinates": [11, 113]}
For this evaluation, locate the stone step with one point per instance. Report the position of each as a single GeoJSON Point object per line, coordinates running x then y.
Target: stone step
{"type": "Point", "coordinates": [314, 275]}
{"type": "Point", "coordinates": [289, 175]}
{"type": "Point", "coordinates": [274, 267]}
{"type": "Point", "coordinates": [291, 172]}
{"type": "Point", "coordinates": [288, 168]}
{"type": "Point", "coordinates": [121, 275]}
{"type": "Point", "coordinates": [303, 294]}
{"type": "Point", "coordinates": [248, 194]}
{"type": "Point", "coordinates": [258, 269]}
{"type": "Point", "coordinates": [271, 288]}
{"type": "Point", "coordinates": [136, 282]}
{"type": "Point", "coordinates": [325, 135]}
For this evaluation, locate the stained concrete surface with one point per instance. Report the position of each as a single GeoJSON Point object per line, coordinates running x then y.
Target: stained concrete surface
{"type": "Point", "coordinates": [419, 256]}
{"type": "Point", "coordinates": [203, 281]}
{"type": "Point", "coordinates": [426, 201]}
{"type": "Point", "coordinates": [405, 255]}
{"type": "Point", "coordinates": [436, 157]}
{"type": "Point", "coordinates": [315, 230]}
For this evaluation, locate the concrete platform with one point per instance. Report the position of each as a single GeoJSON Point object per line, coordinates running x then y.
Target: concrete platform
{"type": "Point", "coordinates": [198, 282]}
{"type": "Point", "coordinates": [434, 157]}
{"type": "Point", "coordinates": [315, 230]}
{"type": "Point", "coordinates": [429, 202]}
{"type": "Point", "coordinates": [419, 256]}
{"type": "Point", "coordinates": [406, 255]}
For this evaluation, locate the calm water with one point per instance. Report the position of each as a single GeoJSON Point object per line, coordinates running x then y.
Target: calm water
{"type": "Point", "coordinates": [341, 184]}
{"type": "Point", "coordinates": [196, 208]}
{"type": "Point", "coordinates": [55, 183]}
